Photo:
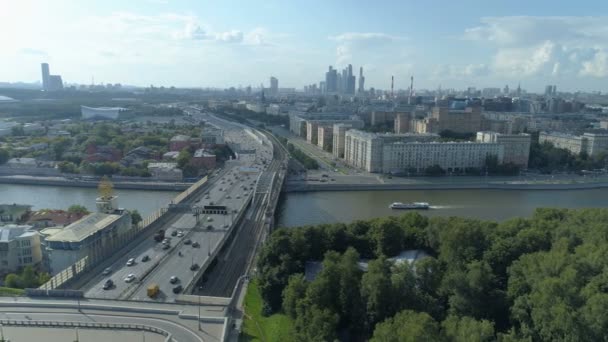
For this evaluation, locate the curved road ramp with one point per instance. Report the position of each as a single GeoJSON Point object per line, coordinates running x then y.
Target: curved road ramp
{"type": "Point", "coordinates": [31, 319]}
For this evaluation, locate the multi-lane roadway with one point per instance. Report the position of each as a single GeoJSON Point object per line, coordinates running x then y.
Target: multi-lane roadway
{"type": "Point", "coordinates": [192, 241]}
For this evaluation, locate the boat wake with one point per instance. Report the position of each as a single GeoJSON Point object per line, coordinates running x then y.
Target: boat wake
{"type": "Point", "coordinates": [442, 207]}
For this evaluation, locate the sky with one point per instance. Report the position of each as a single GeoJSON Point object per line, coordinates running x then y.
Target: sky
{"type": "Point", "coordinates": [223, 43]}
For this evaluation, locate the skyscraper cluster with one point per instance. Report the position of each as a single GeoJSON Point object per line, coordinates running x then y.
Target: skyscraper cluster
{"type": "Point", "coordinates": [342, 82]}
{"type": "Point", "coordinates": [50, 82]}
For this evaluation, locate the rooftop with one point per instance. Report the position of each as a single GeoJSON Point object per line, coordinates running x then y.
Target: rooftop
{"type": "Point", "coordinates": [84, 227]}
{"type": "Point", "coordinates": [12, 231]}
{"type": "Point", "coordinates": [180, 137]}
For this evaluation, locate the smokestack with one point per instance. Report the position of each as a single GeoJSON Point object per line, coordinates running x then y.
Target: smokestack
{"type": "Point", "coordinates": [392, 85]}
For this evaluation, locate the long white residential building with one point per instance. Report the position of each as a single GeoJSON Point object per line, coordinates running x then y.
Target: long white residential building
{"type": "Point", "coordinates": [400, 153]}
{"type": "Point", "coordinates": [590, 143]}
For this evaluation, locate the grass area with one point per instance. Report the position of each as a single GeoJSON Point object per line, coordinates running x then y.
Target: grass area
{"type": "Point", "coordinates": [257, 328]}
{"type": "Point", "coordinates": [8, 291]}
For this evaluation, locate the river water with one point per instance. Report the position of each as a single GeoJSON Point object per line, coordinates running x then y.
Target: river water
{"type": "Point", "coordinates": [305, 208]}
{"type": "Point", "coordinates": [298, 209]}
{"type": "Point", "coordinates": [52, 197]}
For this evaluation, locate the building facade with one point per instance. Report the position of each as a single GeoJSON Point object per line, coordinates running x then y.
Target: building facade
{"type": "Point", "coordinates": [96, 236]}
{"type": "Point", "coordinates": [402, 157]}
{"type": "Point", "coordinates": [325, 137]}
{"type": "Point", "coordinates": [19, 247]}
{"type": "Point", "coordinates": [590, 143]}
{"type": "Point", "coordinates": [364, 150]}
{"type": "Point", "coordinates": [516, 147]}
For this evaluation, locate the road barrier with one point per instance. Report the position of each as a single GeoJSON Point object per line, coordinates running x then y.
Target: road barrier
{"type": "Point", "coordinates": [85, 325]}
{"type": "Point", "coordinates": [65, 277]}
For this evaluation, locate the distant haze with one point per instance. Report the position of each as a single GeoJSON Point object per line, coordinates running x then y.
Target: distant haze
{"type": "Point", "coordinates": [231, 43]}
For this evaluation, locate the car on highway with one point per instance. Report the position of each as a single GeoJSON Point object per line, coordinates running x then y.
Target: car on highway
{"type": "Point", "coordinates": [187, 242]}
{"type": "Point", "coordinates": [173, 279]}
{"type": "Point", "coordinates": [130, 278]}
{"type": "Point", "coordinates": [145, 258]}
{"type": "Point", "coordinates": [131, 262]}
{"type": "Point", "coordinates": [108, 284]}
{"type": "Point", "coordinates": [195, 244]}
{"type": "Point", "coordinates": [106, 271]}
{"type": "Point", "coordinates": [177, 289]}
{"type": "Point", "coordinates": [194, 267]}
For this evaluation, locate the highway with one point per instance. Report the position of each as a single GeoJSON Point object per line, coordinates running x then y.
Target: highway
{"type": "Point", "coordinates": [232, 187]}
{"type": "Point", "coordinates": [235, 260]}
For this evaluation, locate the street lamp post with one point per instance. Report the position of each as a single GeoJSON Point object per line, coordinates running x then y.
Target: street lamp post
{"type": "Point", "coordinates": [199, 307]}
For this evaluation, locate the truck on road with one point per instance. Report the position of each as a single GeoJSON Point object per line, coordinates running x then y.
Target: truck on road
{"type": "Point", "coordinates": [159, 236]}
{"type": "Point", "coordinates": [153, 290]}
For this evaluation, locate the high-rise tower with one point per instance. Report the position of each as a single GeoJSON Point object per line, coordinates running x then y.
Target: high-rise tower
{"type": "Point", "coordinates": [45, 76]}
{"type": "Point", "coordinates": [361, 81]}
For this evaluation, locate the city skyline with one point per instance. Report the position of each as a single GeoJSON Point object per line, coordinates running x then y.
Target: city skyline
{"type": "Point", "coordinates": [191, 44]}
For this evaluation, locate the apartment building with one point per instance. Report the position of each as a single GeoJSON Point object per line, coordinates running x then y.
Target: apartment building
{"type": "Point", "coordinates": [516, 147]}
{"type": "Point", "coordinates": [364, 150]}
{"type": "Point", "coordinates": [400, 157]}
{"type": "Point", "coordinates": [590, 143]}
{"type": "Point", "coordinates": [19, 247]}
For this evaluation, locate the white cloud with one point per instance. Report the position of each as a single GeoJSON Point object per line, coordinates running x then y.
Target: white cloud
{"type": "Point", "coordinates": [460, 72]}
{"type": "Point", "coordinates": [350, 45]}
{"type": "Point", "coordinates": [597, 66]}
{"type": "Point", "coordinates": [528, 46]}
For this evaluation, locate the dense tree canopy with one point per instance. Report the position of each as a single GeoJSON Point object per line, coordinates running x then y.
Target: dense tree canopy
{"type": "Point", "coordinates": [537, 279]}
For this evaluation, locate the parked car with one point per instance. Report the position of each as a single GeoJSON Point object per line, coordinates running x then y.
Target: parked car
{"type": "Point", "coordinates": [187, 242]}
{"type": "Point", "coordinates": [130, 278]}
{"type": "Point", "coordinates": [145, 258]}
{"type": "Point", "coordinates": [106, 271]}
{"type": "Point", "coordinates": [194, 267]}
{"type": "Point", "coordinates": [131, 262]}
{"type": "Point", "coordinates": [180, 234]}
{"type": "Point", "coordinates": [166, 246]}
{"type": "Point", "coordinates": [174, 233]}
{"type": "Point", "coordinates": [173, 280]}
{"type": "Point", "coordinates": [177, 289]}
{"type": "Point", "coordinates": [195, 244]}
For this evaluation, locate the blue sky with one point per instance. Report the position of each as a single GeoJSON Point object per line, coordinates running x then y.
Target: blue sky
{"type": "Point", "coordinates": [231, 43]}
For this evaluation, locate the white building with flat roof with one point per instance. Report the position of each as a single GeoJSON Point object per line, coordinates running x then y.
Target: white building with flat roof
{"type": "Point", "coordinates": [590, 143]}
{"type": "Point", "coordinates": [96, 236]}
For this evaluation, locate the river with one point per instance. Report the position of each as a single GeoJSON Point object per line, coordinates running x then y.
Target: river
{"type": "Point", "coordinates": [53, 197]}
{"type": "Point", "coordinates": [304, 208]}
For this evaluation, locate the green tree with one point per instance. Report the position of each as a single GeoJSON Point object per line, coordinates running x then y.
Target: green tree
{"type": "Point", "coordinates": [67, 167]}
{"type": "Point", "coordinates": [408, 326]}
{"type": "Point", "coordinates": [59, 146]}
{"type": "Point", "coordinates": [13, 281]}
{"type": "Point", "coordinates": [183, 158]}
{"type": "Point", "coordinates": [29, 278]}
{"type": "Point", "coordinates": [376, 291]}
{"type": "Point", "coordinates": [135, 217]}
{"type": "Point", "coordinates": [294, 292]}
{"type": "Point", "coordinates": [78, 209]}
{"type": "Point", "coordinates": [467, 329]}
